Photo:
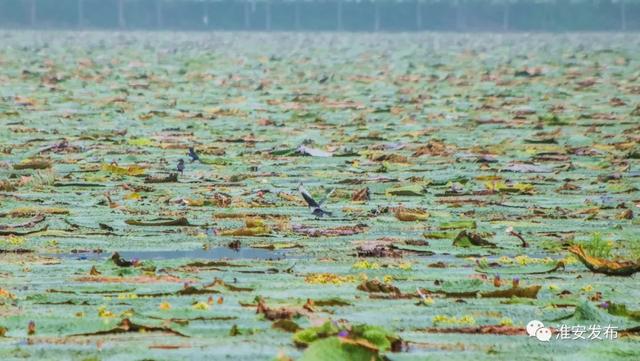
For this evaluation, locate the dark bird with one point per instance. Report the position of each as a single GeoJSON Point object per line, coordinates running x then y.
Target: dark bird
{"type": "Point", "coordinates": [317, 210]}
{"type": "Point", "coordinates": [180, 166]}
{"type": "Point", "coordinates": [119, 261]}
{"type": "Point", "coordinates": [193, 155]}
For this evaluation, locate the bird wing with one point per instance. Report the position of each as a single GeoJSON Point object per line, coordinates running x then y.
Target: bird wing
{"type": "Point", "coordinates": [307, 197]}
{"type": "Point", "coordinates": [326, 197]}
{"type": "Point", "coordinates": [193, 154]}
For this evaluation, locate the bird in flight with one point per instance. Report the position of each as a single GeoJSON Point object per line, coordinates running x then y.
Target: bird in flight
{"type": "Point", "coordinates": [317, 206]}
{"type": "Point", "coordinates": [193, 155]}
{"type": "Point", "coordinates": [180, 166]}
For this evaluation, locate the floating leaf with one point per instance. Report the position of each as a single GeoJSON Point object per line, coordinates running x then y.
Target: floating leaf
{"type": "Point", "coordinates": [286, 325]}
{"type": "Point", "coordinates": [253, 227]}
{"type": "Point", "coordinates": [458, 225]}
{"type": "Point", "coordinates": [608, 267]}
{"type": "Point", "coordinates": [332, 349]}
{"type": "Point", "coordinates": [375, 286]}
{"type": "Point", "coordinates": [526, 269]}
{"type": "Point", "coordinates": [468, 239]}
{"type": "Point", "coordinates": [522, 292]}
{"type": "Point", "coordinates": [411, 190]}
{"type": "Point", "coordinates": [33, 164]}
{"type": "Point", "coordinates": [276, 246]}
{"type": "Point", "coordinates": [173, 222]}
{"type": "Point", "coordinates": [126, 326]}
{"type": "Point", "coordinates": [411, 215]}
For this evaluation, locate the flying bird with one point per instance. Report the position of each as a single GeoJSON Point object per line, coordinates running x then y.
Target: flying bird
{"type": "Point", "coordinates": [180, 166]}
{"type": "Point", "coordinates": [317, 206]}
{"type": "Point", "coordinates": [193, 155]}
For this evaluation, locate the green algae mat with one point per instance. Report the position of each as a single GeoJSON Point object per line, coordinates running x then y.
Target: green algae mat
{"type": "Point", "coordinates": [472, 184]}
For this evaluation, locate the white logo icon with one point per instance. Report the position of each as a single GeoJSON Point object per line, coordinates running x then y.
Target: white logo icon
{"type": "Point", "coordinates": [533, 326]}
{"type": "Point", "coordinates": [543, 334]}
{"type": "Point", "coordinates": [537, 329]}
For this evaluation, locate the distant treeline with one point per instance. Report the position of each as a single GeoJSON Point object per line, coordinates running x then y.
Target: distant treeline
{"type": "Point", "coordinates": [401, 15]}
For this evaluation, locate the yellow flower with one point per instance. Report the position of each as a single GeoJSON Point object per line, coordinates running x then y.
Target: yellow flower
{"type": "Point", "coordinates": [506, 322]}
{"type": "Point", "coordinates": [131, 170]}
{"type": "Point", "coordinates": [523, 260]}
{"type": "Point", "coordinates": [15, 240]}
{"type": "Point", "coordinates": [587, 288]}
{"type": "Point", "coordinates": [569, 260]}
{"type": "Point", "coordinates": [200, 306]}
{"type": "Point", "coordinates": [467, 320]}
{"type": "Point", "coordinates": [427, 301]}
{"type": "Point", "coordinates": [165, 306]}
{"type": "Point", "coordinates": [440, 319]}
{"type": "Point", "coordinates": [328, 278]}
{"type": "Point", "coordinates": [452, 320]}
{"type": "Point", "coordinates": [364, 264]}
{"type": "Point", "coordinates": [132, 196]}
{"type": "Point", "coordinates": [104, 313]}
{"type": "Point", "coordinates": [141, 142]}
{"type": "Point", "coordinates": [387, 279]}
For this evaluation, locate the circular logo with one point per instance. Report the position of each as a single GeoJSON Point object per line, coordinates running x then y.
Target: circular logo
{"type": "Point", "coordinates": [543, 334]}
{"type": "Point", "coordinates": [533, 326]}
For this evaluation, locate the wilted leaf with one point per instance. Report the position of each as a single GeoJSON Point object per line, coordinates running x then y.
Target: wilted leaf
{"type": "Point", "coordinates": [608, 267]}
